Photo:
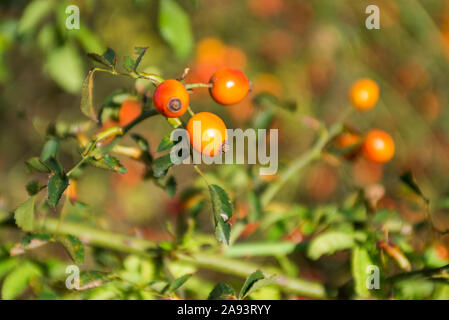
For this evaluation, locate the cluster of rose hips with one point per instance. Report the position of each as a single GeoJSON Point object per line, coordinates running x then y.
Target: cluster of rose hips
{"type": "Point", "coordinates": [227, 86]}
{"type": "Point", "coordinates": [377, 145]}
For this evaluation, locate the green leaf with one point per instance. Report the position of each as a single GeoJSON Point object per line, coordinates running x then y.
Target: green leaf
{"type": "Point", "coordinates": [56, 187]}
{"type": "Point", "coordinates": [87, 105]}
{"type": "Point", "coordinates": [330, 242]}
{"type": "Point", "coordinates": [221, 291]}
{"type": "Point", "coordinates": [74, 247]}
{"type": "Point", "coordinates": [165, 144]}
{"type": "Point", "coordinates": [34, 187]}
{"type": "Point", "coordinates": [162, 165]}
{"type": "Point", "coordinates": [111, 57]}
{"type": "Point", "coordinates": [33, 14]}
{"type": "Point", "coordinates": [250, 281]}
{"type": "Point", "coordinates": [6, 266]}
{"type": "Point", "coordinates": [128, 64]}
{"type": "Point", "coordinates": [170, 186]}
{"type": "Point", "coordinates": [222, 208]}
{"type": "Point", "coordinates": [17, 281]}
{"type": "Point", "coordinates": [174, 25]}
{"type": "Point", "coordinates": [260, 284]}
{"type": "Point", "coordinates": [177, 283]}
{"type": "Point", "coordinates": [108, 162]}
{"type": "Point", "coordinates": [24, 215]}
{"type": "Point", "coordinates": [49, 155]}
{"type": "Point", "coordinates": [140, 52]}
{"type": "Point", "coordinates": [108, 58]}
{"type": "Point", "coordinates": [94, 279]}
{"type": "Point", "coordinates": [223, 231]}
{"type": "Point", "coordinates": [50, 150]}
{"type": "Point", "coordinates": [360, 260]}
{"type": "Point", "coordinates": [36, 165]}
{"type": "Point", "coordinates": [65, 67]}
{"type": "Point", "coordinates": [409, 180]}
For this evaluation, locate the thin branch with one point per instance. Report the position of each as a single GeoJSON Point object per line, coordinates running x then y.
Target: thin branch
{"type": "Point", "coordinates": [149, 249]}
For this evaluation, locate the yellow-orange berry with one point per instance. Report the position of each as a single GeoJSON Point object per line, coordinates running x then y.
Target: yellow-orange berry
{"type": "Point", "coordinates": [364, 94]}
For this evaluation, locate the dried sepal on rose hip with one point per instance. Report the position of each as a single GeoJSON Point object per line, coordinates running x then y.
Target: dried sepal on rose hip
{"type": "Point", "coordinates": [207, 133]}
{"type": "Point", "coordinates": [171, 98]}
{"type": "Point", "coordinates": [364, 94]}
{"type": "Point", "coordinates": [229, 86]}
{"type": "Point", "coordinates": [378, 146]}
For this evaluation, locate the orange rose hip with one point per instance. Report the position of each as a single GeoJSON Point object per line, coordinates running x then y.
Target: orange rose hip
{"type": "Point", "coordinates": [207, 133]}
{"type": "Point", "coordinates": [229, 86]}
{"type": "Point", "coordinates": [171, 98]}
{"type": "Point", "coordinates": [378, 146]}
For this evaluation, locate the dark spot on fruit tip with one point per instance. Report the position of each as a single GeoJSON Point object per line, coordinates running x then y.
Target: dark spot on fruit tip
{"type": "Point", "coordinates": [174, 104]}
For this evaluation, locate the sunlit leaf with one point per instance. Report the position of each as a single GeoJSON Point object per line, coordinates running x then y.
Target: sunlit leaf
{"type": "Point", "coordinates": [24, 215]}
{"type": "Point", "coordinates": [33, 14]}
{"type": "Point", "coordinates": [174, 25]}
{"type": "Point", "coordinates": [87, 105]}
{"type": "Point", "coordinates": [360, 261]}
{"type": "Point", "coordinates": [66, 68]}
{"type": "Point", "coordinates": [329, 243]}
{"type": "Point", "coordinates": [17, 280]}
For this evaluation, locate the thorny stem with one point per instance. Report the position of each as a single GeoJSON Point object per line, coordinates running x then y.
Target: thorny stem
{"type": "Point", "coordinates": [149, 249]}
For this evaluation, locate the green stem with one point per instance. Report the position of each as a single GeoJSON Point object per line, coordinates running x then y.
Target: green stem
{"type": "Point", "coordinates": [198, 85]}
{"type": "Point", "coordinates": [244, 269]}
{"type": "Point", "coordinates": [69, 174]}
{"type": "Point", "coordinates": [142, 247]}
{"type": "Point", "coordinates": [298, 164]}
{"type": "Point", "coordinates": [101, 238]}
